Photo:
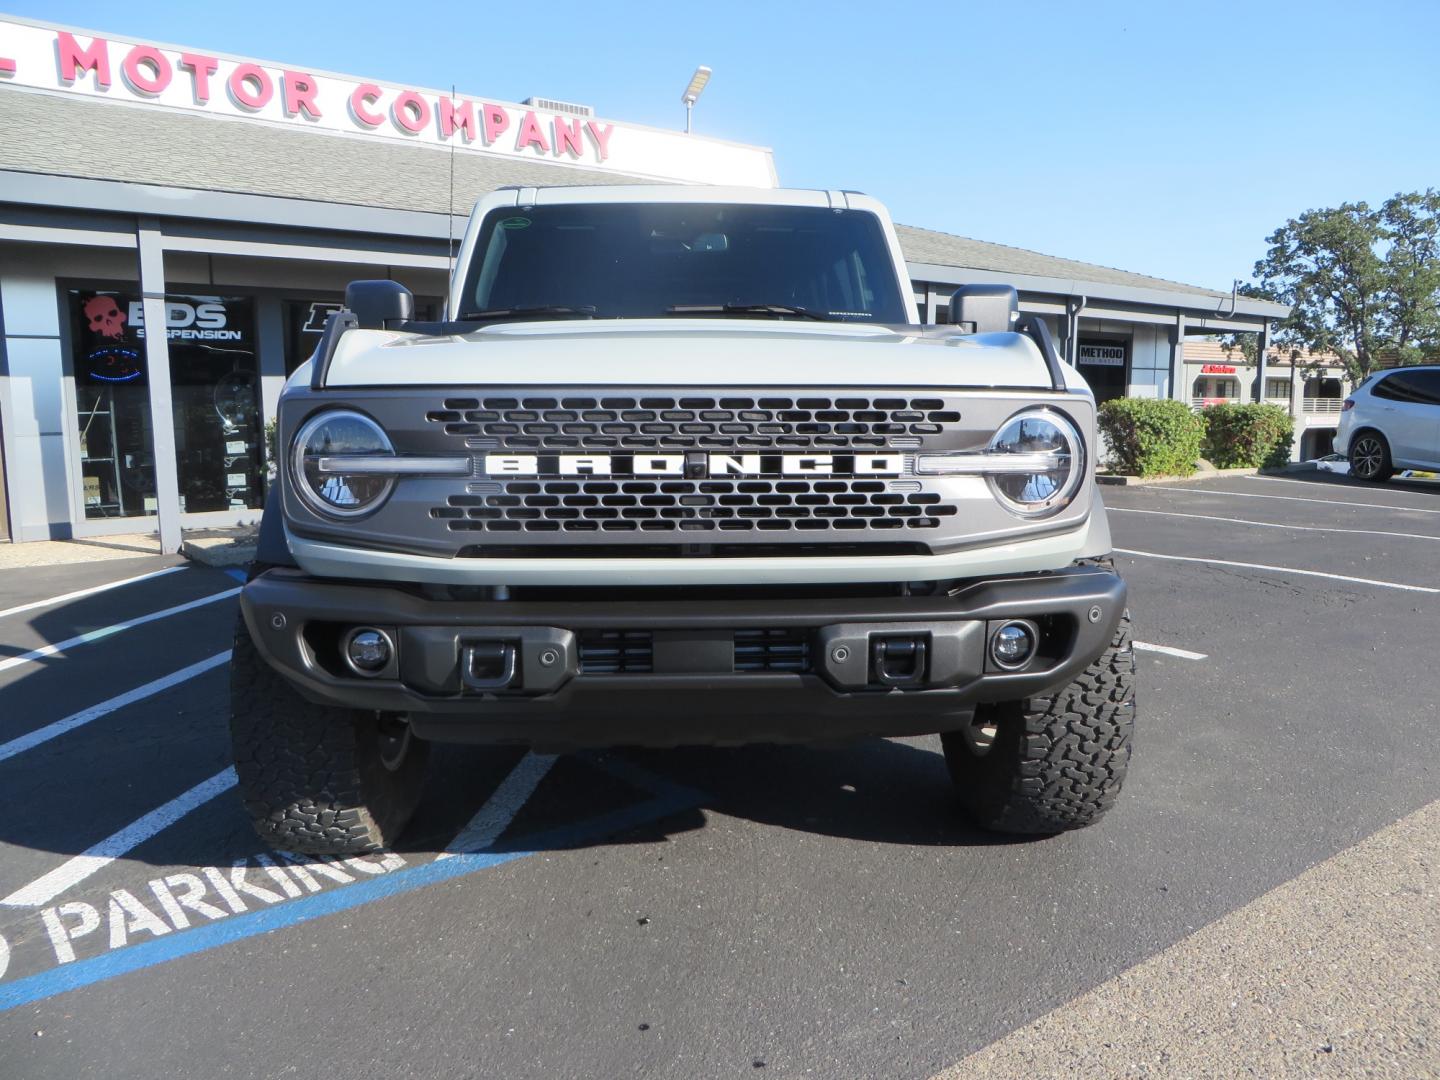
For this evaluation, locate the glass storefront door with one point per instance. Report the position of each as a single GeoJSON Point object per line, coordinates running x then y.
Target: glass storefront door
{"type": "Point", "coordinates": [1105, 364]}
{"type": "Point", "coordinates": [214, 388]}
{"type": "Point", "coordinates": [112, 395]}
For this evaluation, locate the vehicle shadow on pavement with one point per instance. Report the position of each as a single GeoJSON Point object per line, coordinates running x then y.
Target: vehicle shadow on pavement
{"type": "Point", "coordinates": [1342, 480]}
{"type": "Point", "coordinates": [876, 790]}
{"type": "Point", "coordinates": [873, 790]}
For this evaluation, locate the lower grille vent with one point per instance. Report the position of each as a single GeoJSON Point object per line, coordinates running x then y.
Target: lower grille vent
{"type": "Point", "coordinates": [635, 506]}
{"type": "Point", "coordinates": [772, 650]}
{"type": "Point", "coordinates": [616, 652]}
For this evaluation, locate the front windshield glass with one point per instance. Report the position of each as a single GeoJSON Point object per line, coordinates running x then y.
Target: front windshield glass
{"type": "Point", "coordinates": [646, 260]}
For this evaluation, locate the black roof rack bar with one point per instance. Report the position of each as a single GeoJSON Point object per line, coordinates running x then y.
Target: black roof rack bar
{"type": "Point", "coordinates": [1039, 331]}
{"type": "Point", "coordinates": [335, 326]}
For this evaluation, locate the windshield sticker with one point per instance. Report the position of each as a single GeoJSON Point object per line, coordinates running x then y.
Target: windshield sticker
{"type": "Point", "coordinates": [515, 223]}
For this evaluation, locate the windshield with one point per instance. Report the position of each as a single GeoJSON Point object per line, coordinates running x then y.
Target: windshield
{"type": "Point", "coordinates": [646, 260]}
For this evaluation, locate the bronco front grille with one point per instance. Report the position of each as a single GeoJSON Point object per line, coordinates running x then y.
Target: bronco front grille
{"type": "Point", "coordinates": [655, 423]}
{"type": "Point", "coordinates": [730, 473]}
{"type": "Point", "coordinates": [728, 505]}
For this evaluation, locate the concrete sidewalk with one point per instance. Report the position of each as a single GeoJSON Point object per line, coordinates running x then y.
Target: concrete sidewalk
{"type": "Point", "coordinates": [65, 552]}
{"type": "Point", "coordinates": [208, 547]}
{"type": "Point", "coordinates": [1335, 973]}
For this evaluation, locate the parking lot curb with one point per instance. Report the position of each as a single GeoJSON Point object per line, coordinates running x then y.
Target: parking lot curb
{"type": "Point", "coordinates": [220, 551]}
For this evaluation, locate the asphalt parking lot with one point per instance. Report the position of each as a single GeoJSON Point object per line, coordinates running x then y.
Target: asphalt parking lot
{"type": "Point", "coordinates": [805, 912]}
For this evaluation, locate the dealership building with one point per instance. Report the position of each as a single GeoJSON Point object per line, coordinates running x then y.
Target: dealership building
{"type": "Point", "coordinates": [230, 200]}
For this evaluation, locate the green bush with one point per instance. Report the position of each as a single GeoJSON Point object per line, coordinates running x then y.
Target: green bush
{"type": "Point", "coordinates": [1248, 435]}
{"type": "Point", "coordinates": [1152, 437]}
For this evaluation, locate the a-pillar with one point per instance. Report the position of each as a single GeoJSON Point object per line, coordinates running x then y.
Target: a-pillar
{"type": "Point", "coordinates": [157, 368]}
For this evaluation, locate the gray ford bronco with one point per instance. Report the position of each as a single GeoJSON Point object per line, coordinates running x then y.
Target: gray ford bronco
{"type": "Point", "coordinates": [679, 467]}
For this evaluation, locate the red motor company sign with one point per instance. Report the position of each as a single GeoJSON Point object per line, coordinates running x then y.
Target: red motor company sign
{"type": "Point", "coordinates": [57, 60]}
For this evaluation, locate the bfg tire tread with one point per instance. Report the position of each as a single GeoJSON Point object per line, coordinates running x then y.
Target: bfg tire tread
{"type": "Point", "coordinates": [312, 777]}
{"type": "Point", "coordinates": [1057, 762]}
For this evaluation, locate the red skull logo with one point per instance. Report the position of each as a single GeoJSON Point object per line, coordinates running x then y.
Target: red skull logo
{"type": "Point", "coordinates": [106, 318]}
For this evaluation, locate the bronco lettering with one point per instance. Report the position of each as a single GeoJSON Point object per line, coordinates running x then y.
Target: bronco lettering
{"type": "Point", "coordinates": [674, 465]}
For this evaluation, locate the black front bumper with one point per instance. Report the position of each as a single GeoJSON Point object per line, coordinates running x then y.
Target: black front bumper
{"type": "Point", "coordinates": [665, 672]}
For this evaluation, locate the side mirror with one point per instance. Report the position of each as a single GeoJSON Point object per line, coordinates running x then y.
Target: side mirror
{"type": "Point", "coordinates": [379, 304]}
{"type": "Point", "coordinates": [985, 309]}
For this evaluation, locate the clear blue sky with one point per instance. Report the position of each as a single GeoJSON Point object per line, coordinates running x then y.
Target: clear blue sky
{"type": "Point", "coordinates": [1162, 137]}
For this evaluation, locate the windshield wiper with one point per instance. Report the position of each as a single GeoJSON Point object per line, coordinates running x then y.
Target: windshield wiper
{"type": "Point", "coordinates": [779, 310]}
{"type": "Point", "coordinates": [557, 311]}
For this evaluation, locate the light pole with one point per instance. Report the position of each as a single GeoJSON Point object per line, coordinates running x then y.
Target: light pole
{"type": "Point", "coordinates": [693, 91]}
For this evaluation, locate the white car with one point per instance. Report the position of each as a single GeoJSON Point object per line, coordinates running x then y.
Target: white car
{"type": "Point", "coordinates": [1392, 421]}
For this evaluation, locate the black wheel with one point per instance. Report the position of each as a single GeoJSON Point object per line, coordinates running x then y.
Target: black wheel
{"type": "Point", "coordinates": [318, 780]}
{"type": "Point", "coordinates": [1370, 457]}
{"type": "Point", "coordinates": [1047, 764]}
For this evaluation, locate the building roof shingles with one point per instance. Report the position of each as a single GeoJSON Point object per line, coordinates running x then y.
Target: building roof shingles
{"type": "Point", "coordinates": [945, 249]}
{"type": "Point", "coordinates": [103, 141]}
{"type": "Point", "coordinates": [47, 133]}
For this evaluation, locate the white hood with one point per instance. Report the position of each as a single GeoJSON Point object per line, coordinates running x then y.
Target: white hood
{"type": "Point", "coordinates": [690, 352]}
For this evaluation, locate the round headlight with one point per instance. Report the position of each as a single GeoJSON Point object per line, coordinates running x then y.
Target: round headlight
{"type": "Point", "coordinates": [1049, 463]}
{"type": "Point", "coordinates": [324, 447]}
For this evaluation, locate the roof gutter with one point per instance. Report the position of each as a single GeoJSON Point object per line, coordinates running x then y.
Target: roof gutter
{"type": "Point", "coordinates": [1203, 304]}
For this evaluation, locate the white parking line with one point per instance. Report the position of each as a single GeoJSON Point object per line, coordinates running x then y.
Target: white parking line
{"type": "Point", "coordinates": [107, 631]}
{"type": "Point", "coordinates": [1167, 490]}
{"type": "Point", "coordinates": [1279, 570]}
{"type": "Point", "coordinates": [500, 809]}
{"type": "Point", "coordinates": [73, 871]}
{"type": "Point", "coordinates": [70, 723]}
{"type": "Point", "coordinates": [1183, 654]}
{"type": "Point", "coordinates": [1270, 524]}
{"type": "Point", "coordinates": [78, 593]}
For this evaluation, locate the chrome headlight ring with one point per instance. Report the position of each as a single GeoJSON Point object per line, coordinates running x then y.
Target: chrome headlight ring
{"type": "Point", "coordinates": [1046, 466]}
{"type": "Point", "coordinates": [1034, 464]}
{"type": "Point", "coordinates": [318, 458]}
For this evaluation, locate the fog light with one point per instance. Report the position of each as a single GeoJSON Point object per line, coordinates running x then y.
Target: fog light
{"type": "Point", "coordinates": [1012, 645]}
{"type": "Point", "coordinates": [368, 651]}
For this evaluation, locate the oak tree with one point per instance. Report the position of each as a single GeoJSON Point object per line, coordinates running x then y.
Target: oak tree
{"type": "Point", "coordinates": [1362, 283]}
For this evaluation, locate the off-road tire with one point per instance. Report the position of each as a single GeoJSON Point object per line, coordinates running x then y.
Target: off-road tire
{"type": "Point", "coordinates": [316, 779]}
{"type": "Point", "coordinates": [1370, 450]}
{"type": "Point", "coordinates": [1055, 762]}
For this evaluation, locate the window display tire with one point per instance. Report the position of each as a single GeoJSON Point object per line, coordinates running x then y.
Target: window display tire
{"type": "Point", "coordinates": [318, 780]}
{"type": "Point", "coordinates": [1043, 765]}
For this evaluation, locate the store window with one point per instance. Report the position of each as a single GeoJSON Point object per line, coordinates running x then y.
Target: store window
{"type": "Point", "coordinates": [214, 391]}
{"type": "Point", "coordinates": [1212, 388]}
{"type": "Point", "coordinates": [1277, 388]}
{"type": "Point", "coordinates": [305, 322]}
